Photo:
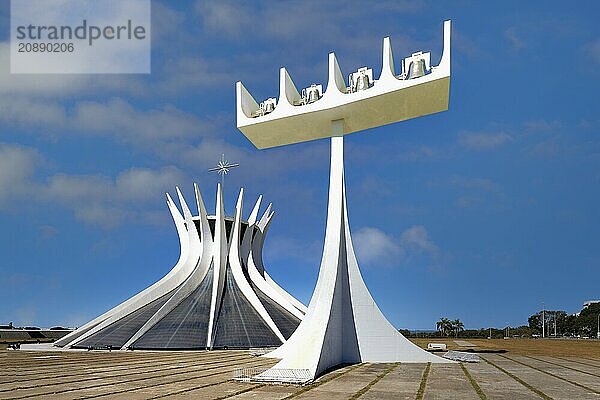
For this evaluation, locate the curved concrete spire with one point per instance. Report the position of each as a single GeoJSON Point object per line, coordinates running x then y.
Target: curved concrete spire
{"type": "Point", "coordinates": [220, 248]}
{"type": "Point", "coordinates": [343, 323]}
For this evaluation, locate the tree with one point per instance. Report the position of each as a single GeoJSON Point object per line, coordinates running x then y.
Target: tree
{"type": "Point", "coordinates": [587, 321]}
{"type": "Point", "coordinates": [457, 326]}
{"type": "Point", "coordinates": [444, 326]}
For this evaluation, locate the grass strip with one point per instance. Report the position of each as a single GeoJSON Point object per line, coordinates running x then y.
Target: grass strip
{"type": "Point", "coordinates": [319, 383]}
{"type": "Point", "coordinates": [521, 381]}
{"type": "Point", "coordinates": [476, 387]}
{"type": "Point", "coordinates": [421, 391]}
{"type": "Point", "coordinates": [241, 391]}
{"type": "Point", "coordinates": [374, 381]}
{"type": "Point", "coordinates": [553, 375]}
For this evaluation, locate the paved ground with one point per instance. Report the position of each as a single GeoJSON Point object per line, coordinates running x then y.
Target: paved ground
{"type": "Point", "coordinates": [208, 375]}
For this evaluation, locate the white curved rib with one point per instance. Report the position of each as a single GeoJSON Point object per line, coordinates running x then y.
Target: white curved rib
{"type": "Point", "coordinates": [246, 246]}
{"type": "Point", "coordinates": [257, 243]}
{"type": "Point", "coordinates": [205, 233]}
{"type": "Point", "coordinates": [387, 67]}
{"type": "Point", "coordinates": [219, 264]}
{"type": "Point", "coordinates": [256, 277]}
{"type": "Point", "coordinates": [287, 89]}
{"type": "Point", "coordinates": [174, 278]}
{"type": "Point", "coordinates": [245, 102]}
{"type": "Point", "coordinates": [201, 266]}
{"type": "Point", "coordinates": [254, 213]}
{"type": "Point", "coordinates": [336, 82]}
{"type": "Point", "coordinates": [238, 274]}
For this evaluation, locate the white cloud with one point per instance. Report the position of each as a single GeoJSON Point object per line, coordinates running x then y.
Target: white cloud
{"type": "Point", "coordinates": [592, 49]}
{"type": "Point", "coordinates": [17, 165]}
{"type": "Point", "coordinates": [119, 119]}
{"type": "Point", "coordinates": [31, 113]}
{"type": "Point", "coordinates": [116, 118]}
{"type": "Point", "coordinates": [513, 38]}
{"type": "Point", "coordinates": [484, 184]}
{"type": "Point", "coordinates": [107, 202]}
{"type": "Point", "coordinates": [375, 247]}
{"type": "Point", "coordinates": [133, 194]}
{"type": "Point", "coordinates": [416, 240]}
{"type": "Point", "coordinates": [483, 141]}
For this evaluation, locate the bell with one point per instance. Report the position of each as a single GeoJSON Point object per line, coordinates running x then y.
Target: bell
{"type": "Point", "coordinates": [312, 94]}
{"type": "Point", "coordinates": [269, 106]}
{"type": "Point", "coordinates": [362, 82]}
{"type": "Point", "coordinates": [266, 107]}
{"type": "Point", "coordinates": [417, 69]}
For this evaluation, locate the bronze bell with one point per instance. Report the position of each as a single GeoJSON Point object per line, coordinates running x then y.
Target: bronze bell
{"type": "Point", "coordinates": [416, 69]}
{"type": "Point", "coordinates": [312, 94]}
{"type": "Point", "coordinates": [362, 82]}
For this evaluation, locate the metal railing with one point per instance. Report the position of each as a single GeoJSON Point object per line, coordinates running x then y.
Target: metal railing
{"type": "Point", "coordinates": [281, 375]}
{"type": "Point", "coordinates": [260, 351]}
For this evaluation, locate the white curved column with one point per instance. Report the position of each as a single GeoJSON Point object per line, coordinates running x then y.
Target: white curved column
{"type": "Point", "coordinates": [173, 279]}
{"type": "Point", "coordinates": [259, 239]}
{"type": "Point", "coordinates": [246, 246]}
{"type": "Point", "coordinates": [238, 274]}
{"type": "Point", "coordinates": [343, 323]}
{"type": "Point", "coordinates": [219, 266]}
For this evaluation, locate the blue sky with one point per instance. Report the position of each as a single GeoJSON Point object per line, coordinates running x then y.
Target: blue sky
{"type": "Point", "coordinates": [479, 213]}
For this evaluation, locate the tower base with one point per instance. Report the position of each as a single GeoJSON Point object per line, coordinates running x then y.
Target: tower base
{"type": "Point", "coordinates": [343, 324]}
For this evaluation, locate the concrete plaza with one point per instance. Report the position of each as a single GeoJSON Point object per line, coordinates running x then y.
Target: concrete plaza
{"type": "Point", "coordinates": [209, 375]}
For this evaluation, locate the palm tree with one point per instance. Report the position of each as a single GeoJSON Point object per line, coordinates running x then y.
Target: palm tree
{"type": "Point", "coordinates": [457, 326]}
{"type": "Point", "coordinates": [444, 325]}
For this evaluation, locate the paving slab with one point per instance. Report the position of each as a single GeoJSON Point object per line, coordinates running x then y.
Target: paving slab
{"type": "Point", "coordinates": [448, 378]}
{"type": "Point", "coordinates": [71, 388]}
{"type": "Point", "coordinates": [347, 384]}
{"type": "Point", "coordinates": [496, 384]}
{"type": "Point", "coordinates": [228, 388]}
{"type": "Point", "coordinates": [586, 368]}
{"type": "Point", "coordinates": [590, 381]}
{"type": "Point", "coordinates": [551, 386]}
{"type": "Point", "coordinates": [269, 392]}
{"type": "Point", "coordinates": [587, 361]}
{"type": "Point", "coordinates": [83, 373]}
{"type": "Point", "coordinates": [208, 375]}
{"type": "Point", "coordinates": [402, 383]}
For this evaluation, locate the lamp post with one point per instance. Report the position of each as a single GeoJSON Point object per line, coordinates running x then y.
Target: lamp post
{"type": "Point", "coordinates": [598, 334]}
{"type": "Point", "coordinates": [543, 321]}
